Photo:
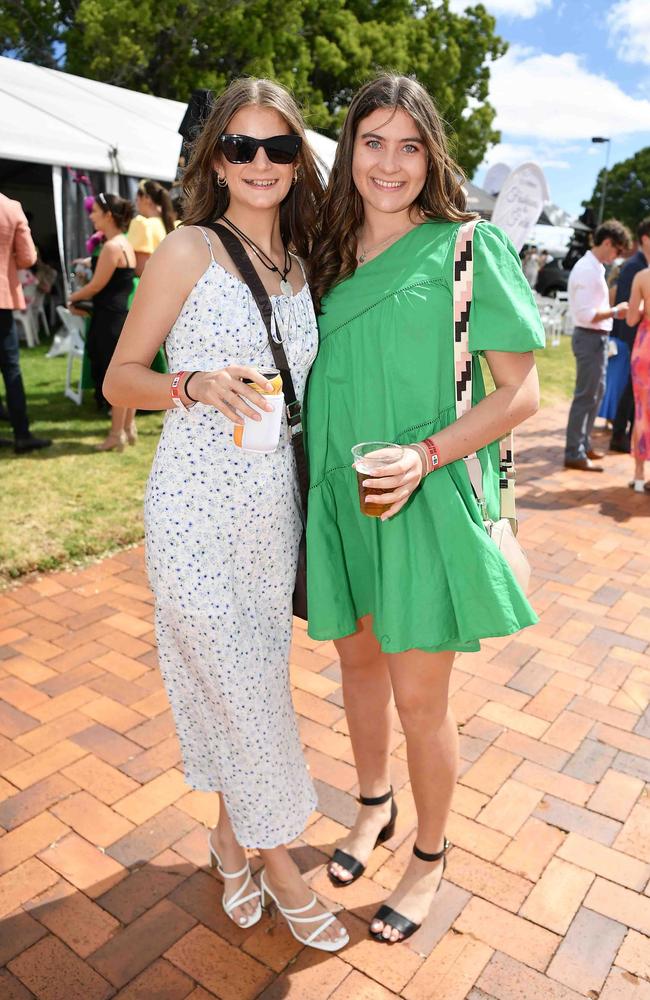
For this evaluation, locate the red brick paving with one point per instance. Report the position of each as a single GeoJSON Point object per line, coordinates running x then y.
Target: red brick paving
{"type": "Point", "coordinates": [104, 884]}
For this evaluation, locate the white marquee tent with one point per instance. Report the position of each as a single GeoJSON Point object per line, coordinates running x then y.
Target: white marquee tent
{"type": "Point", "coordinates": [56, 118]}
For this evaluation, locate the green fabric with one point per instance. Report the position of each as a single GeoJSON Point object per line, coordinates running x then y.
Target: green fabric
{"type": "Point", "coordinates": [430, 576]}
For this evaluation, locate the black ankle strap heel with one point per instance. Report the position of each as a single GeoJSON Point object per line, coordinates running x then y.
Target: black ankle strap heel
{"type": "Point", "coordinates": [397, 920]}
{"type": "Point", "coordinates": [350, 863]}
{"type": "Point", "coordinates": [378, 800]}
{"type": "Point", "coordinates": [431, 857]}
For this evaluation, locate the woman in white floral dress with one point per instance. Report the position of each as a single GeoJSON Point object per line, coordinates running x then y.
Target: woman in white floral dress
{"type": "Point", "coordinates": [222, 526]}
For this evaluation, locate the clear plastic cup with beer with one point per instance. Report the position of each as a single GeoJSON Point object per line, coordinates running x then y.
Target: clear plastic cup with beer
{"type": "Point", "coordinates": [369, 457]}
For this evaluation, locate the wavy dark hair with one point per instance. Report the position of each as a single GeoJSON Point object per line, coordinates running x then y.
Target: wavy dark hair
{"type": "Point", "coordinates": [161, 197]}
{"type": "Point", "coordinates": [341, 214]}
{"type": "Point", "coordinates": [120, 208]}
{"type": "Point", "coordinates": [205, 201]}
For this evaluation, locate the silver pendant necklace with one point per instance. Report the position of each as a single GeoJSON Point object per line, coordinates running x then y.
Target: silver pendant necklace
{"type": "Point", "coordinates": [285, 285]}
{"type": "Point", "coordinates": [368, 250]}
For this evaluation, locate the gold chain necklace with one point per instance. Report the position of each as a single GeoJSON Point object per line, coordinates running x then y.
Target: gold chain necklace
{"type": "Point", "coordinates": [366, 250]}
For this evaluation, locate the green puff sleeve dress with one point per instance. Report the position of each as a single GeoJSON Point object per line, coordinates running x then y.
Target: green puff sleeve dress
{"type": "Point", "coordinates": [430, 576]}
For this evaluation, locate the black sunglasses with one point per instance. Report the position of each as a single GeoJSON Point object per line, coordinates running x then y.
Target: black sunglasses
{"type": "Point", "coordinates": [243, 148]}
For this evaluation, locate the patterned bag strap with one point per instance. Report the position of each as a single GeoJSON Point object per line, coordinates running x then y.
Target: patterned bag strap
{"type": "Point", "coordinates": [463, 362]}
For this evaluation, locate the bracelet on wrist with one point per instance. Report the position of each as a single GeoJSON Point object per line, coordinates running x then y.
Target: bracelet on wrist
{"type": "Point", "coordinates": [433, 453]}
{"type": "Point", "coordinates": [187, 382]}
{"type": "Point", "coordinates": [424, 457]}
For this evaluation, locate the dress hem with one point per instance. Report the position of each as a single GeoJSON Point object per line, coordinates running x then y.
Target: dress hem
{"type": "Point", "coordinates": [247, 842]}
{"type": "Point", "coordinates": [471, 646]}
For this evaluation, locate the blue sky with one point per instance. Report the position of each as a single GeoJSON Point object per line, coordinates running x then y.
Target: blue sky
{"type": "Point", "coordinates": [574, 69]}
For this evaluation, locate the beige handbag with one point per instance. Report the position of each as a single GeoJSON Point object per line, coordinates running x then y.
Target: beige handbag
{"type": "Point", "coordinates": [502, 532]}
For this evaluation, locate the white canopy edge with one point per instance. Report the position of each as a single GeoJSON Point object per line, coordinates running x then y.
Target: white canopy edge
{"type": "Point", "coordinates": [56, 118]}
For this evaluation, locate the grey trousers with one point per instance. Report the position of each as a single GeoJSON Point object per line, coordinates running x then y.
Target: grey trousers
{"type": "Point", "coordinates": [590, 350]}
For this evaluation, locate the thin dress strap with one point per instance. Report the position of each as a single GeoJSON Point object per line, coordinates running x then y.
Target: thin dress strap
{"type": "Point", "coordinates": [208, 241]}
{"type": "Point", "coordinates": [295, 257]}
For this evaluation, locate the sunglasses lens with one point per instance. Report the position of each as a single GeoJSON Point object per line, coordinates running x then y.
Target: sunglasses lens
{"type": "Point", "coordinates": [282, 148]}
{"type": "Point", "coordinates": [238, 148]}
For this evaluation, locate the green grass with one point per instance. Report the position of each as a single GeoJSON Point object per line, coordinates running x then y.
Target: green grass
{"type": "Point", "coordinates": [68, 504]}
{"type": "Point", "coordinates": [556, 367]}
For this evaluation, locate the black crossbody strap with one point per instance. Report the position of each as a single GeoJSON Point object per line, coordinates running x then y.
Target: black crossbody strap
{"type": "Point", "coordinates": [243, 264]}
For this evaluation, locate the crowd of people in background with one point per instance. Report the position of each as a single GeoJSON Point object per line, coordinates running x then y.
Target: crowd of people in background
{"type": "Point", "coordinates": [122, 243]}
{"type": "Point", "coordinates": [611, 349]}
{"type": "Point", "coordinates": [123, 239]}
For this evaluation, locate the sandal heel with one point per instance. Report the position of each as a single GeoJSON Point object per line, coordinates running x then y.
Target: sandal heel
{"type": "Point", "coordinates": [347, 861]}
{"type": "Point", "coordinates": [387, 832]}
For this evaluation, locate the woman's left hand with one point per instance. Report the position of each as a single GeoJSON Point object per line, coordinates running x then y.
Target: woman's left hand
{"type": "Point", "coordinates": [400, 479]}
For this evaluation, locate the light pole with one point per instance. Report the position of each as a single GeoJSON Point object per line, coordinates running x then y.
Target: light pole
{"type": "Point", "coordinates": [601, 210]}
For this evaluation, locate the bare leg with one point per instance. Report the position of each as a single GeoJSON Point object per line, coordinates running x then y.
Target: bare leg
{"type": "Point", "coordinates": [130, 427]}
{"type": "Point", "coordinates": [283, 877]}
{"type": "Point", "coordinates": [116, 433]}
{"type": "Point", "coordinates": [118, 419]}
{"type": "Point", "coordinates": [639, 464]}
{"type": "Point", "coordinates": [233, 858]}
{"type": "Point", "coordinates": [420, 684]}
{"type": "Point", "coordinates": [367, 697]}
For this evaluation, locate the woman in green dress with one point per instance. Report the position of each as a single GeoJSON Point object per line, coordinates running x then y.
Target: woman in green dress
{"type": "Point", "coordinates": [400, 594]}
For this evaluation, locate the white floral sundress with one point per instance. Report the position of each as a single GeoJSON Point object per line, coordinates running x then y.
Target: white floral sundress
{"type": "Point", "coordinates": [222, 529]}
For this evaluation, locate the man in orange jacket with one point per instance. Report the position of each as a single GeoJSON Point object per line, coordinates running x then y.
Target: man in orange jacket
{"type": "Point", "coordinates": [16, 250]}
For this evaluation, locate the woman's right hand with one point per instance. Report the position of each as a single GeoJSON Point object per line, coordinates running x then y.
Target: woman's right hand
{"type": "Point", "coordinates": [225, 390]}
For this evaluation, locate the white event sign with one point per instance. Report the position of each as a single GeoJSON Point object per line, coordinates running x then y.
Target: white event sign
{"type": "Point", "coordinates": [520, 202]}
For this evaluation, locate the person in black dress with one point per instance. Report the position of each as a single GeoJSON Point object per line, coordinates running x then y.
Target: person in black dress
{"type": "Point", "coordinates": [109, 290]}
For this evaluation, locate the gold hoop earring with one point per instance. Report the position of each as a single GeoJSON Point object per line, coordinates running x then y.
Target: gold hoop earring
{"type": "Point", "coordinates": [296, 174]}
{"type": "Point", "coordinates": [221, 181]}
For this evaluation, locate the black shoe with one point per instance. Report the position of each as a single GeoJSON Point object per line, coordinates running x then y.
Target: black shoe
{"type": "Point", "coordinates": [30, 443]}
{"type": "Point", "coordinates": [347, 861]}
{"type": "Point", "coordinates": [621, 444]}
{"type": "Point", "coordinates": [397, 920]}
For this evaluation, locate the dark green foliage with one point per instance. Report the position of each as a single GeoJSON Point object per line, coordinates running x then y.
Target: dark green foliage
{"type": "Point", "coordinates": [321, 49]}
{"type": "Point", "coordinates": [628, 189]}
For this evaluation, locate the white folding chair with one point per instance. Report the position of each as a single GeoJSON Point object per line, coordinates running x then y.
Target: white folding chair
{"type": "Point", "coordinates": [29, 332]}
{"type": "Point", "coordinates": [37, 312]}
{"type": "Point", "coordinates": [75, 328]}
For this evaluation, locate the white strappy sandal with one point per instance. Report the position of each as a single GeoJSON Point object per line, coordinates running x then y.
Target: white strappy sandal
{"type": "Point", "coordinates": [293, 917]}
{"type": "Point", "coordinates": [238, 897]}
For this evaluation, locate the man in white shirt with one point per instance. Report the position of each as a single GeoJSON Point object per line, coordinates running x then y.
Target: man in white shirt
{"type": "Point", "coordinates": [592, 317]}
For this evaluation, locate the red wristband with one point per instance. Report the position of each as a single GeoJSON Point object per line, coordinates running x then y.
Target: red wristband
{"type": "Point", "coordinates": [434, 454]}
{"type": "Point", "coordinates": [176, 392]}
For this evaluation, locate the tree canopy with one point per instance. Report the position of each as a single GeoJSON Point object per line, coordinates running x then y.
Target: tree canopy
{"type": "Point", "coordinates": [628, 189]}
{"type": "Point", "coordinates": [321, 49]}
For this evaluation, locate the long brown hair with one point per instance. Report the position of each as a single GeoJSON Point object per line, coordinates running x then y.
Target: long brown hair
{"type": "Point", "coordinates": [341, 214]}
{"type": "Point", "coordinates": [205, 201]}
{"type": "Point", "coordinates": [162, 199]}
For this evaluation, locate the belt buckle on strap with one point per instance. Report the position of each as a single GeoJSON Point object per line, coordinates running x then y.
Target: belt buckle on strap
{"type": "Point", "coordinates": [294, 418]}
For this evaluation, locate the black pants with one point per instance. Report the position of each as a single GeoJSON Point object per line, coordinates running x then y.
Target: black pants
{"type": "Point", "coordinates": [624, 419]}
{"type": "Point", "coordinates": [13, 380]}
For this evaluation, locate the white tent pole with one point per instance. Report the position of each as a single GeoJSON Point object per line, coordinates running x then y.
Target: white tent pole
{"type": "Point", "coordinates": [57, 191]}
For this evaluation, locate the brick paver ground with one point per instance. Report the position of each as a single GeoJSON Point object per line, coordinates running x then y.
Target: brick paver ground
{"type": "Point", "coordinates": [104, 884]}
